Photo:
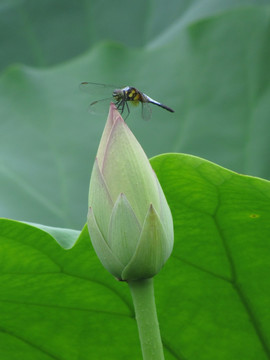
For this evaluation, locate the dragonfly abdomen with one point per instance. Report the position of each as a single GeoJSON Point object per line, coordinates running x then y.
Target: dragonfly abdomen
{"type": "Point", "coordinates": [152, 101]}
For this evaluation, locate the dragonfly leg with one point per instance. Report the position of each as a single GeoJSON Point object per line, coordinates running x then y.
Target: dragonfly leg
{"type": "Point", "coordinates": [127, 111]}
{"type": "Point", "coordinates": [121, 104]}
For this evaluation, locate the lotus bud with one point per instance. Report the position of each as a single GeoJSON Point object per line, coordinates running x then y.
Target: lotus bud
{"type": "Point", "coordinates": [129, 220]}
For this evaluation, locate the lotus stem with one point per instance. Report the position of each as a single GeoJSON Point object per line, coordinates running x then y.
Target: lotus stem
{"type": "Point", "coordinates": [142, 292]}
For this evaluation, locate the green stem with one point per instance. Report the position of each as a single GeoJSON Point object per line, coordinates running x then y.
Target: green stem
{"type": "Point", "coordinates": [142, 292]}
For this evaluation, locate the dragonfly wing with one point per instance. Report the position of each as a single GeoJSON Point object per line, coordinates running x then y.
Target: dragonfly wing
{"type": "Point", "coordinates": [146, 111]}
{"type": "Point", "coordinates": [100, 106]}
{"type": "Point", "coordinates": [98, 95]}
{"type": "Point", "coordinates": [96, 89]}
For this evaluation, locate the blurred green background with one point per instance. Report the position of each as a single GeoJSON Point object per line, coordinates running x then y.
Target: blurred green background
{"type": "Point", "coordinates": [208, 60]}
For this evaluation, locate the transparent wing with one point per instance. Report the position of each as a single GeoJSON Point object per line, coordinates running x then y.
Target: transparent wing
{"type": "Point", "coordinates": [146, 111]}
{"type": "Point", "coordinates": [99, 94]}
{"type": "Point", "coordinates": [100, 106]}
{"type": "Point", "coordinates": [100, 90]}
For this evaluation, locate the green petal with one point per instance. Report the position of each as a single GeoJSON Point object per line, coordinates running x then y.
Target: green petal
{"type": "Point", "coordinates": [165, 215]}
{"type": "Point", "coordinates": [124, 230]}
{"type": "Point", "coordinates": [152, 251]}
{"type": "Point", "coordinates": [127, 170]}
{"type": "Point", "coordinates": [112, 116]}
{"type": "Point", "coordinates": [100, 200]}
{"type": "Point", "coordinates": [104, 253]}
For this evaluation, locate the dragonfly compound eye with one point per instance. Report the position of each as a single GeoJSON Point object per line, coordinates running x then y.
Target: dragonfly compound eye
{"type": "Point", "coordinates": [117, 94]}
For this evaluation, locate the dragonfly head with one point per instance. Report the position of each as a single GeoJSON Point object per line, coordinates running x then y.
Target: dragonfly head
{"type": "Point", "coordinates": [118, 94]}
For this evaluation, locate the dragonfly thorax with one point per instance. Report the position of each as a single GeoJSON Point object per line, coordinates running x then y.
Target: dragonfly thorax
{"type": "Point", "coordinates": [128, 93]}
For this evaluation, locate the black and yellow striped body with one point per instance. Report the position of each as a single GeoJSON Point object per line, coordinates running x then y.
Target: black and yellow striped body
{"type": "Point", "coordinates": [128, 94]}
{"type": "Point", "coordinates": [134, 95]}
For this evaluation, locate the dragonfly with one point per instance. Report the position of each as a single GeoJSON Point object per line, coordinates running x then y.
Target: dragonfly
{"type": "Point", "coordinates": [122, 97]}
